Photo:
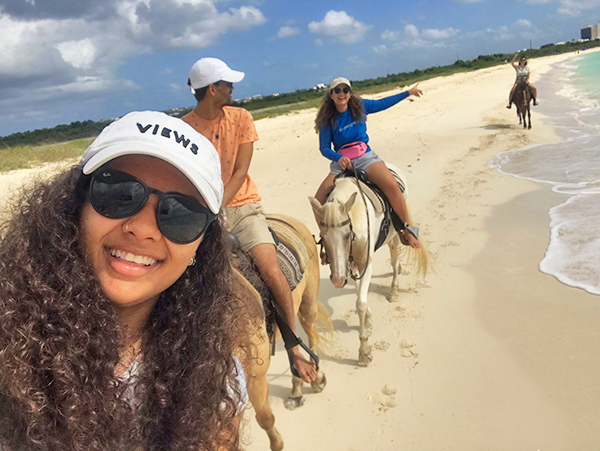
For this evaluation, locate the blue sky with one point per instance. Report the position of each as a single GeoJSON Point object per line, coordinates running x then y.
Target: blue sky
{"type": "Point", "coordinates": [69, 60]}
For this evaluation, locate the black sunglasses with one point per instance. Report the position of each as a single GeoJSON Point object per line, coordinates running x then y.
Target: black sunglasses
{"type": "Point", "coordinates": [226, 83]}
{"type": "Point", "coordinates": [116, 195]}
{"type": "Point", "coordinates": [338, 90]}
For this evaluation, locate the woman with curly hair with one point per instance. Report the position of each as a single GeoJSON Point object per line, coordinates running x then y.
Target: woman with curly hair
{"type": "Point", "coordinates": [118, 317]}
{"type": "Point", "coordinates": [342, 121]}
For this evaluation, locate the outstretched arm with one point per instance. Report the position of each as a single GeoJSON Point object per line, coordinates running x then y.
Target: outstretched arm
{"type": "Point", "coordinates": [374, 106]}
{"type": "Point", "coordinates": [512, 62]}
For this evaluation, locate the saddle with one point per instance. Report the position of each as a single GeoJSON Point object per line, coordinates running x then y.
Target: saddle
{"type": "Point", "coordinates": [522, 86]}
{"type": "Point", "coordinates": [380, 202]}
{"type": "Point", "coordinates": [292, 257]}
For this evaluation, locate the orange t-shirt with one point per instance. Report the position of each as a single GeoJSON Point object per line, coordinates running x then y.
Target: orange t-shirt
{"type": "Point", "coordinates": [234, 126]}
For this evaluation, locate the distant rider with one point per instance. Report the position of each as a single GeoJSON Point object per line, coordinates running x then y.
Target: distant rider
{"type": "Point", "coordinates": [523, 73]}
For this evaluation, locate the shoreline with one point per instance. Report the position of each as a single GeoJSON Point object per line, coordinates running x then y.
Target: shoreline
{"type": "Point", "coordinates": [486, 352]}
{"type": "Point", "coordinates": [501, 355]}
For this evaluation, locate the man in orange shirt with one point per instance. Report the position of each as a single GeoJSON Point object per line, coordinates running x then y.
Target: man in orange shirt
{"type": "Point", "coordinates": [231, 130]}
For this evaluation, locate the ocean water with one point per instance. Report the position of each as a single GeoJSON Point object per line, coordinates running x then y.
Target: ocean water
{"type": "Point", "coordinates": [570, 96]}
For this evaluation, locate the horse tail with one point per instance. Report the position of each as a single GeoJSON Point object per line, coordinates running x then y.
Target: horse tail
{"type": "Point", "coordinates": [418, 258]}
{"type": "Point", "coordinates": [318, 340]}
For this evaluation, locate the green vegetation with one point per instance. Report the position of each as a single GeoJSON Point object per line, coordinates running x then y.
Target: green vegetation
{"type": "Point", "coordinates": [16, 150]}
{"type": "Point", "coordinates": [20, 157]}
{"type": "Point", "coordinates": [58, 134]}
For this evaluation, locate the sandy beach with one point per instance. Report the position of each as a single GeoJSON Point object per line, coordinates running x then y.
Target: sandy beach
{"type": "Point", "coordinates": [484, 353]}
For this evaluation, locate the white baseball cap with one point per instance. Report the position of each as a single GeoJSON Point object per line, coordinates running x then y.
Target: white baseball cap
{"type": "Point", "coordinates": [165, 137]}
{"type": "Point", "coordinates": [211, 70]}
{"type": "Point", "coordinates": [339, 81]}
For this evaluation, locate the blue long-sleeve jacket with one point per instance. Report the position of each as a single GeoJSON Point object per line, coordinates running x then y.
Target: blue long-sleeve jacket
{"type": "Point", "coordinates": [346, 130]}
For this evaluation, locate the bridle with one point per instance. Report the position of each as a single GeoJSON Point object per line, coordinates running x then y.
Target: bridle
{"type": "Point", "coordinates": [352, 237]}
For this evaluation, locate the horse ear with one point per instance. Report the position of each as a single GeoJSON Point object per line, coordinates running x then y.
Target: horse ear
{"type": "Point", "coordinates": [350, 202]}
{"type": "Point", "coordinates": [316, 207]}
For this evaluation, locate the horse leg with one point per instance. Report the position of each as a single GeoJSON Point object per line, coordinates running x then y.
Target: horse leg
{"type": "Point", "coordinates": [395, 249]}
{"type": "Point", "coordinates": [365, 355]}
{"type": "Point", "coordinates": [308, 315]}
{"type": "Point", "coordinates": [307, 293]}
{"type": "Point", "coordinates": [529, 116]}
{"type": "Point", "coordinates": [258, 394]}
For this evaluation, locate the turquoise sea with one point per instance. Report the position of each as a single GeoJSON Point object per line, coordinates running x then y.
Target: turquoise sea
{"type": "Point", "coordinates": [570, 96]}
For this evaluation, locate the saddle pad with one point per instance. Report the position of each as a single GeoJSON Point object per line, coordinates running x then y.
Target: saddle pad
{"type": "Point", "coordinates": [292, 254]}
{"type": "Point", "coordinates": [376, 196]}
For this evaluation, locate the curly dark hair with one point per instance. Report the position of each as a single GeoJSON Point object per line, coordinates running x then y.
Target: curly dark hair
{"type": "Point", "coordinates": [327, 114]}
{"type": "Point", "coordinates": [60, 341]}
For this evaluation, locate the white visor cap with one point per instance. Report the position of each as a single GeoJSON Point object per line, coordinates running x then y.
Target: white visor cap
{"type": "Point", "coordinates": [211, 70]}
{"type": "Point", "coordinates": [167, 138]}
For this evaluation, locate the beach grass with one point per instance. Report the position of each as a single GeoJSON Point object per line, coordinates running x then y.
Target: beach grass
{"type": "Point", "coordinates": [23, 157]}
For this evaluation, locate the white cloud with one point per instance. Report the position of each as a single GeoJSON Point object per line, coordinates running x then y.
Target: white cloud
{"type": "Point", "coordinates": [80, 54]}
{"type": "Point", "coordinates": [436, 35]}
{"type": "Point", "coordinates": [76, 54]}
{"type": "Point", "coordinates": [523, 23]}
{"type": "Point", "coordinates": [577, 7]}
{"type": "Point", "coordinates": [412, 37]}
{"type": "Point", "coordinates": [341, 27]}
{"type": "Point", "coordinates": [389, 35]}
{"type": "Point", "coordinates": [411, 31]}
{"type": "Point", "coordinates": [286, 32]}
{"type": "Point", "coordinates": [380, 48]}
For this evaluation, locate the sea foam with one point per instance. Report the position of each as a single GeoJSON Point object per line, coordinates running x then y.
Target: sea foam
{"type": "Point", "coordinates": [570, 96]}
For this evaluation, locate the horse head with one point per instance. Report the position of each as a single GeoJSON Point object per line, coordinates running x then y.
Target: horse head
{"type": "Point", "coordinates": [337, 235]}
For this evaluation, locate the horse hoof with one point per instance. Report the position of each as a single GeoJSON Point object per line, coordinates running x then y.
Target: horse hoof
{"type": "Point", "coordinates": [394, 296]}
{"type": "Point", "coordinates": [365, 359]}
{"type": "Point", "coordinates": [293, 403]}
{"type": "Point", "coordinates": [275, 440]}
{"type": "Point", "coordinates": [319, 385]}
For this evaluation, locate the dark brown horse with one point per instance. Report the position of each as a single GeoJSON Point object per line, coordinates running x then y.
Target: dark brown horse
{"type": "Point", "coordinates": [522, 100]}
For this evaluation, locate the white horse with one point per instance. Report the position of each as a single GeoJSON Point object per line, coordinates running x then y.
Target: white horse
{"type": "Point", "coordinates": [349, 224]}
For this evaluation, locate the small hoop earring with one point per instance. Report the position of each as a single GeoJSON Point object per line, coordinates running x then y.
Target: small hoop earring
{"type": "Point", "coordinates": [192, 261]}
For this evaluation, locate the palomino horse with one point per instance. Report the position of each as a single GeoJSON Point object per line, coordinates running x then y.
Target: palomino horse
{"type": "Point", "coordinates": [522, 100]}
{"type": "Point", "coordinates": [349, 223]}
{"type": "Point", "coordinates": [308, 309]}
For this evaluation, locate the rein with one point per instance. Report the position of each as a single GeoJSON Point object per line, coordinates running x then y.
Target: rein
{"type": "Point", "coordinates": [349, 221]}
{"type": "Point", "coordinates": [342, 224]}
{"type": "Point", "coordinates": [368, 226]}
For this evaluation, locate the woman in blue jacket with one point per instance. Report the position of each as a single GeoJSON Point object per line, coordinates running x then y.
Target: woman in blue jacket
{"type": "Point", "coordinates": [341, 121]}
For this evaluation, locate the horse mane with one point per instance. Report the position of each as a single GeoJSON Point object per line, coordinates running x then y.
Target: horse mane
{"type": "Point", "coordinates": [332, 214]}
{"type": "Point", "coordinates": [338, 196]}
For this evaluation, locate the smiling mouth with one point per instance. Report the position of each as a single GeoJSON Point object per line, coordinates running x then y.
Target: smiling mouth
{"type": "Point", "coordinates": [133, 258]}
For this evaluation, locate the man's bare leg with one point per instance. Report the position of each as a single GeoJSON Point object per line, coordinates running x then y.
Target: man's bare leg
{"type": "Point", "coordinates": [265, 258]}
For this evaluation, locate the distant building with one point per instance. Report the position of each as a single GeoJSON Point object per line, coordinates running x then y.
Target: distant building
{"type": "Point", "coordinates": [591, 31]}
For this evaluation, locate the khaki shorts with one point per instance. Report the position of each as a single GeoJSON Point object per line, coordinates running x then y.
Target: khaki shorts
{"type": "Point", "coordinates": [249, 223]}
